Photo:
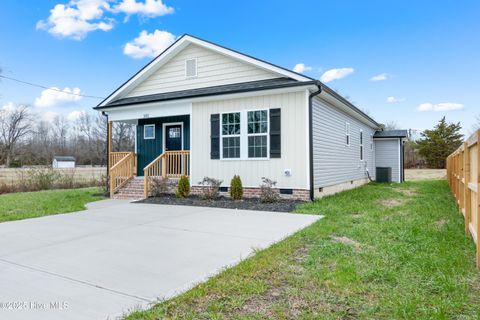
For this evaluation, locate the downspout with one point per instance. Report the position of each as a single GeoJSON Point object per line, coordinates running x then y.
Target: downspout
{"type": "Point", "coordinates": [310, 131]}
{"type": "Point", "coordinates": [108, 160]}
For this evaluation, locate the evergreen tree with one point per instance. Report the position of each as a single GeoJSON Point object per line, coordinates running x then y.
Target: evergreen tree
{"type": "Point", "coordinates": [436, 144]}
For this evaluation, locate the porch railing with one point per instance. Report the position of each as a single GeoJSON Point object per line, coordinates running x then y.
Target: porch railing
{"type": "Point", "coordinates": [170, 164]}
{"type": "Point", "coordinates": [115, 157]}
{"type": "Point", "coordinates": [122, 171]}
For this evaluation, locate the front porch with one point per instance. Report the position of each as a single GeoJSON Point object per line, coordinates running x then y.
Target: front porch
{"type": "Point", "coordinates": [162, 150]}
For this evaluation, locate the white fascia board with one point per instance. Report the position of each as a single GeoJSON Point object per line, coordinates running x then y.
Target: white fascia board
{"type": "Point", "coordinates": [184, 41]}
{"type": "Point", "coordinates": [184, 106]}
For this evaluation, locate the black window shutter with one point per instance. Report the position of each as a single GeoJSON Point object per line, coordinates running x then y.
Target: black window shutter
{"type": "Point", "coordinates": [275, 133]}
{"type": "Point", "coordinates": [215, 136]}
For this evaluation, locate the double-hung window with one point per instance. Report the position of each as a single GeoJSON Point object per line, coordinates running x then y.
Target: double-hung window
{"type": "Point", "coordinates": [257, 131]}
{"type": "Point", "coordinates": [347, 133]}
{"type": "Point", "coordinates": [231, 135]}
{"type": "Point", "coordinates": [361, 145]}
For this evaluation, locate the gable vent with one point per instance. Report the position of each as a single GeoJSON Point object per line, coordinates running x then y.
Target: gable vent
{"type": "Point", "coordinates": [191, 68]}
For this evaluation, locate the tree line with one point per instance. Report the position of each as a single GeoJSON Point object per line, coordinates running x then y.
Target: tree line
{"type": "Point", "coordinates": [25, 140]}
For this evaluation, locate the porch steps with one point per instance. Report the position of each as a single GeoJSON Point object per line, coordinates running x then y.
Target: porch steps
{"type": "Point", "coordinates": [133, 190]}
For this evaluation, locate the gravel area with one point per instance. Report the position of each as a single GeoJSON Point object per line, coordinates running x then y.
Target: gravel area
{"type": "Point", "coordinates": [283, 205]}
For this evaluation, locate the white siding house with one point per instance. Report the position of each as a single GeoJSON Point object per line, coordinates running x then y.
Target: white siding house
{"type": "Point", "coordinates": [203, 110]}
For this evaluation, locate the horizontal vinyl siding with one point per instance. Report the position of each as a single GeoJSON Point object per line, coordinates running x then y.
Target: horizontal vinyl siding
{"type": "Point", "coordinates": [388, 155]}
{"type": "Point", "coordinates": [293, 142]}
{"type": "Point", "coordinates": [213, 69]}
{"type": "Point", "coordinates": [333, 161]}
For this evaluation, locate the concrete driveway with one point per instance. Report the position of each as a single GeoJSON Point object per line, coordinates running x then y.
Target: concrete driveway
{"type": "Point", "coordinates": [117, 256]}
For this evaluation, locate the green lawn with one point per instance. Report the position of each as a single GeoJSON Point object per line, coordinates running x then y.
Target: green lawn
{"type": "Point", "coordinates": [23, 205]}
{"type": "Point", "coordinates": [381, 252]}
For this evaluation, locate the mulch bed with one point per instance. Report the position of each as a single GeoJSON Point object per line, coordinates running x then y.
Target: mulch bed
{"type": "Point", "coordinates": [283, 205]}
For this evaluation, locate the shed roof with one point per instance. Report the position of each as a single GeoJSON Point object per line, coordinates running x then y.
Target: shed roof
{"type": "Point", "coordinates": [391, 134]}
{"type": "Point", "coordinates": [64, 158]}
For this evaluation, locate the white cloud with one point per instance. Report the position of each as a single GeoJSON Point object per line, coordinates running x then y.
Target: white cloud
{"type": "Point", "coordinates": [380, 77]}
{"type": "Point", "coordinates": [9, 107]}
{"type": "Point", "coordinates": [301, 68]}
{"type": "Point", "coordinates": [149, 8]}
{"type": "Point", "coordinates": [148, 44]}
{"type": "Point", "coordinates": [54, 96]}
{"type": "Point", "coordinates": [74, 115]}
{"type": "Point", "coordinates": [395, 100]}
{"type": "Point", "coordinates": [77, 18]}
{"type": "Point", "coordinates": [444, 106]}
{"type": "Point", "coordinates": [335, 74]}
{"type": "Point", "coordinates": [50, 116]}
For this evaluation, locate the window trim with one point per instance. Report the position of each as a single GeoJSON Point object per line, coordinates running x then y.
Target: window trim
{"type": "Point", "coordinates": [145, 127]}
{"type": "Point", "coordinates": [196, 68]}
{"type": "Point", "coordinates": [348, 136]}
{"type": "Point", "coordinates": [230, 135]}
{"type": "Point", "coordinates": [267, 134]}
{"type": "Point", "coordinates": [244, 134]}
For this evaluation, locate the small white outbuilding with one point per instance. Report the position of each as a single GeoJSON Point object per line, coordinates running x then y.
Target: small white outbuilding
{"type": "Point", "coordinates": [63, 162]}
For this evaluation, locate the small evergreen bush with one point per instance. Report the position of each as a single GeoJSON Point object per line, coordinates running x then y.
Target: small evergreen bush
{"type": "Point", "coordinates": [236, 188]}
{"type": "Point", "coordinates": [183, 188]}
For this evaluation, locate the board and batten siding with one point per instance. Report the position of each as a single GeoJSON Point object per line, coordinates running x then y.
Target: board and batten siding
{"type": "Point", "coordinates": [294, 145]}
{"type": "Point", "coordinates": [335, 162]}
{"type": "Point", "coordinates": [213, 69]}
{"type": "Point", "coordinates": [388, 155]}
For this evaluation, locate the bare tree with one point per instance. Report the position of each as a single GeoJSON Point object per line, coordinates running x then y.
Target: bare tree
{"type": "Point", "coordinates": [60, 127]}
{"type": "Point", "coordinates": [123, 136]}
{"type": "Point", "coordinates": [15, 124]}
{"type": "Point", "coordinates": [391, 125]}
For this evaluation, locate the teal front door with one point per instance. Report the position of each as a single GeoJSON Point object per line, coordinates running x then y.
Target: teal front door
{"type": "Point", "coordinates": [173, 137]}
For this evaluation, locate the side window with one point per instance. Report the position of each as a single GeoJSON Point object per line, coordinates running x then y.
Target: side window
{"type": "Point", "coordinates": [347, 133]}
{"type": "Point", "coordinates": [257, 132]}
{"type": "Point", "coordinates": [149, 131]}
{"type": "Point", "coordinates": [231, 135]}
{"type": "Point", "coordinates": [361, 145]}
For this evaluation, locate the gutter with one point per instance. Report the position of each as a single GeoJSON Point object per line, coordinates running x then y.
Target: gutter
{"type": "Point", "coordinates": [310, 131]}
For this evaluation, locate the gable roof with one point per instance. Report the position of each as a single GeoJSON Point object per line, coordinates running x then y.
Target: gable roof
{"type": "Point", "coordinates": [391, 134]}
{"type": "Point", "coordinates": [180, 44]}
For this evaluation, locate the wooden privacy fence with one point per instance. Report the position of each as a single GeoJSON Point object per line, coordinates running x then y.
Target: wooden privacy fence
{"type": "Point", "coordinates": [463, 174]}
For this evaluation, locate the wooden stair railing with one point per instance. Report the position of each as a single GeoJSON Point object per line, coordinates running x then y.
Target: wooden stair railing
{"type": "Point", "coordinates": [115, 157]}
{"type": "Point", "coordinates": [122, 171]}
{"type": "Point", "coordinates": [170, 164]}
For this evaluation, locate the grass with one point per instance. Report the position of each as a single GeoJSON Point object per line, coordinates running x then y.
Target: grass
{"type": "Point", "coordinates": [381, 252]}
{"type": "Point", "coordinates": [24, 205]}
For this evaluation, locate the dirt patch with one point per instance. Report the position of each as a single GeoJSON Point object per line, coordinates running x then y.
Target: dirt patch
{"type": "Point", "coordinates": [347, 241]}
{"type": "Point", "coordinates": [425, 174]}
{"type": "Point", "coordinates": [407, 192]}
{"type": "Point", "coordinates": [265, 304]}
{"type": "Point", "coordinates": [390, 203]}
{"type": "Point", "coordinates": [440, 223]}
{"type": "Point", "coordinates": [282, 205]}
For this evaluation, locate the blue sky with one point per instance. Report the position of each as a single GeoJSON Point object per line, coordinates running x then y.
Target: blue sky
{"type": "Point", "coordinates": [427, 51]}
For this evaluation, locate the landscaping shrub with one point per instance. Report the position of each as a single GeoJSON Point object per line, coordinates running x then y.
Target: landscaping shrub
{"type": "Point", "coordinates": [236, 188]}
{"type": "Point", "coordinates": [211, 187]}
{"type": "Point", "coordinates": [183, 188]}
{"type": "Point", "coordinates": [159, 186]}
{"type": "Point", "coordinates": [267, 192]}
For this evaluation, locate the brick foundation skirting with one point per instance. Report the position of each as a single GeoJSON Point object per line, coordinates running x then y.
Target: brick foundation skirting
{"type": "Point", "coordinates": [297, 194]}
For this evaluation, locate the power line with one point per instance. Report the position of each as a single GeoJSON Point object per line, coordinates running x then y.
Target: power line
{"type": "Point", "coordinates": [48, 88]}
